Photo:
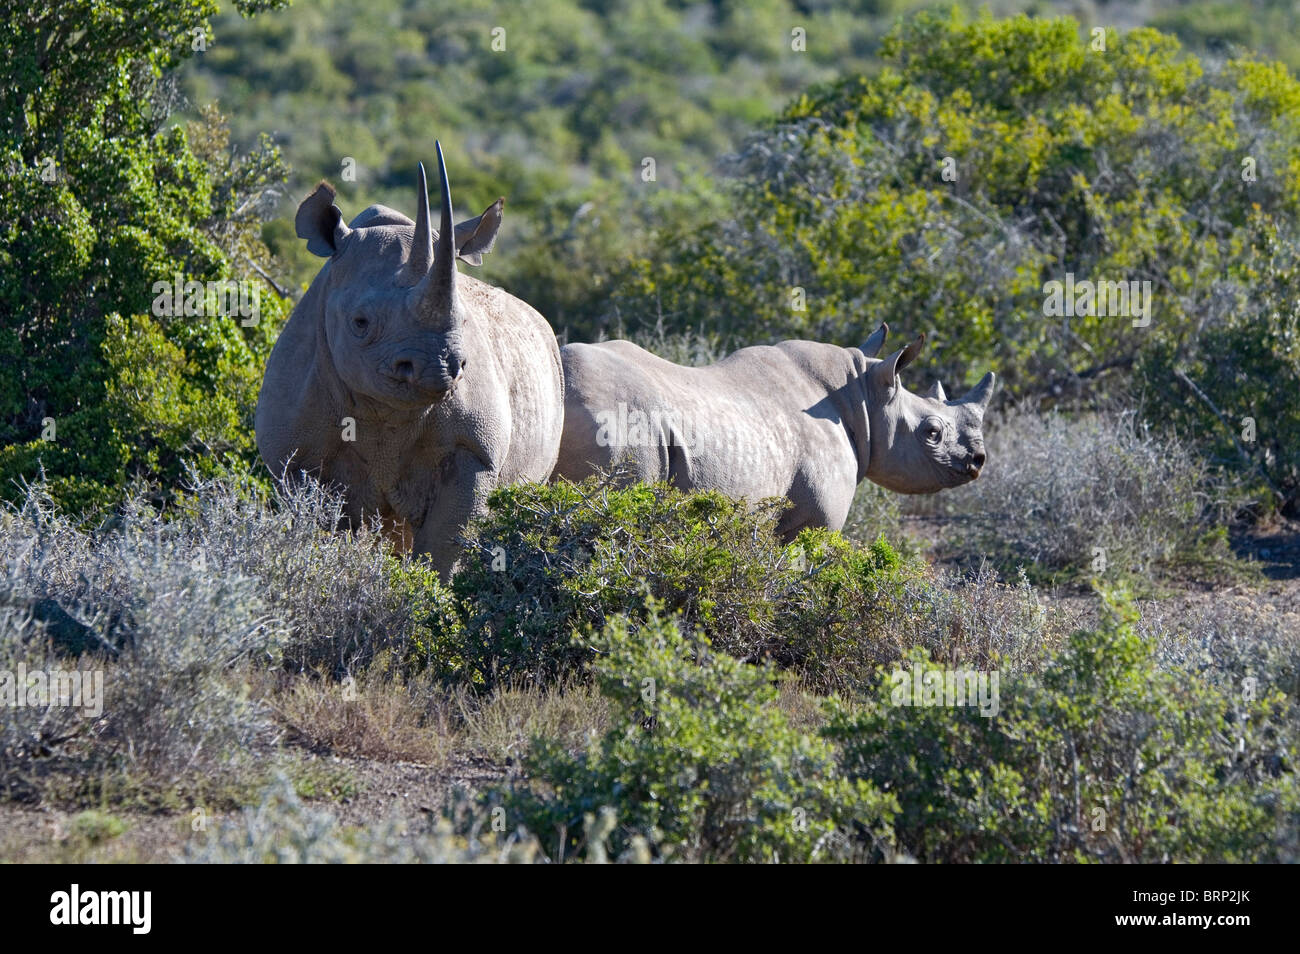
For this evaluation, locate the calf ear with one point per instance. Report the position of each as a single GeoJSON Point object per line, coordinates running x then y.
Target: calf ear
{"type": "Point", "coordinates": [885, 374]}
{"type": "Point", "coordinates": [320, 222]}
{"type": "Point", "coordinates": [475, 237]}
{"type": "Point", "coordinates": [871, 347]}
{"type": "Point", "coordinates": [910, 353]}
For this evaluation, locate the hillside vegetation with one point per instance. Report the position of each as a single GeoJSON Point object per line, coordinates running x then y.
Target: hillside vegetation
{"type": "Point", "coordinates": [635, 673]}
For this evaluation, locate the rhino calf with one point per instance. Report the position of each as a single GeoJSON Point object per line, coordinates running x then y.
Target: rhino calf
{"type": "Point", "coordinates": [801, 420]}
{"type": "Point", "coordinates": [414, 389]}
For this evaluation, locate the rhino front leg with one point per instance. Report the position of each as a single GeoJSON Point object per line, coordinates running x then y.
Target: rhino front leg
{"type": "Point", "coordinates": [460, 494]}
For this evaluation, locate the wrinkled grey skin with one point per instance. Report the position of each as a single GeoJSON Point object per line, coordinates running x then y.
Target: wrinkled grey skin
{"type": "Point", "coordinates": [800, 419]}
{"type": "Point", "coordinates": [454, 386]}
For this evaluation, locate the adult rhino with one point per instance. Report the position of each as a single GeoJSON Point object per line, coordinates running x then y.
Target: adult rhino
{"type": "Point", "coordinates": [413, 388]}
{"type": "Point", "coordinates": [800, 419]}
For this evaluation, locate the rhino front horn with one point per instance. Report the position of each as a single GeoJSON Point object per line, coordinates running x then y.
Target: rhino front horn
{"type": "Point", "coordinates": [438, 302]}
{"type": "Point", "coordinates": [982, 392]}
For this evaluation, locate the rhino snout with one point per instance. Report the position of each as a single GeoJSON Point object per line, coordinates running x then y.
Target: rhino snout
{"type": "Point", "coordinates": [976, 462]}
{"type": "Point", "coordinates": [431, 376]}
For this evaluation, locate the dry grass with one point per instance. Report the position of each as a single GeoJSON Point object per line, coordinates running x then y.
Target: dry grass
{"type": "Point", "coordinates": [372, 716]}
{"type": "Point", "coordinates": [501, 727]}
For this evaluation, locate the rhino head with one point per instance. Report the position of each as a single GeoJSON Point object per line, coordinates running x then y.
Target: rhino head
{"type": "Point", "coordinates": [393, 317]}
{"type": "Point", "coordinates": [921, 443]}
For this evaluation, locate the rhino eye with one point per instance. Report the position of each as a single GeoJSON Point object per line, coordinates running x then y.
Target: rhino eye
{"type": "Point", "coordinates": [933, 433]}
{"type": "Point", "coordinates": [360, 324]}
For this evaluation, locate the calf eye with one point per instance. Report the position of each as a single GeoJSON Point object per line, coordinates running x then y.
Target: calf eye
{"type": "Point", "coordinates": [360, 324]}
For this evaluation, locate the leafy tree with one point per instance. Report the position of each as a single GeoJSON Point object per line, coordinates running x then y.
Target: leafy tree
{"type": "Point", "coordinates": [1117, 164]}
{"type": "Point", "coordinates": [99, 200]}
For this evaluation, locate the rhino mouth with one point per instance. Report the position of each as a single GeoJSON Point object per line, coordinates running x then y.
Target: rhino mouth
{"type": "Point", "coordinates": [433, 390]}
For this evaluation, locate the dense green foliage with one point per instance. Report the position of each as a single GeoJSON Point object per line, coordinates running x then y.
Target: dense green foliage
{"type": "Point", "coordinates": [100, 199]}
{"type": "Point", "coordinates": [1104, 756]}
{"type": "Point", "coordinates": [990, 158]}
{"type": "Point", "coordinates": [550, 561]}
{"type": "Point", "coordinates": [1116, 164]}
{"type": "Point", "coordinates": [700, 764]}
{"type": "Point", "coordinates": [556, 111]}
{"type": "Point", "coordinates": [1176, 744]}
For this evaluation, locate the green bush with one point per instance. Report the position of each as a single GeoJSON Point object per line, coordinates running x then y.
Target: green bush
{"type": "Point", "coordinates": [552, 560]}
{"type": "Point", "coordinates": [1235, 387]}
{"type": "Point", "coordinates": [1102, 756]}
{"type": "Point", "coordinates": [699, 765]}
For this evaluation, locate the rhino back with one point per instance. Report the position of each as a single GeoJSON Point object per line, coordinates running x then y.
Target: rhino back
{"type": "Point", "coordinates": [752, 421]}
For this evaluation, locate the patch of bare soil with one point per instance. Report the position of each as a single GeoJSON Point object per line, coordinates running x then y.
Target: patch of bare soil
{"type": "Point", "coordinates": [408, 790]}
{"type": "Point", "coordinates": [1275, 548]}
{"type": "Point", "coordinates": [48, 836]}
{"type": "Point", "coordinates": [399, 791]}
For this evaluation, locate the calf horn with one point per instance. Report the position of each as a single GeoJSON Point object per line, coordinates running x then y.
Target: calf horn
{"type": "Point", "coordinates": [982, 392]}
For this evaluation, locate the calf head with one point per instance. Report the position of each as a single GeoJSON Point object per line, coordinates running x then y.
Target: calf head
{"type": "Point", "coordinates": [922, 443]}
{"type": "Point", "coordinates": [392, 317]}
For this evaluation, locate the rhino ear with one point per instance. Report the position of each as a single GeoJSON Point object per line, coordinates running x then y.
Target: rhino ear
{"type": "Point", "coordinates": [885, 374]}
{"type": "Point", "coordinates": [871, 347]}
{"type": "Point", "coordinates": [320, 222]}
{"type": "Point", "coordinates": [475, 237]}
{"type": "Point", "coordinates": [910, 353]}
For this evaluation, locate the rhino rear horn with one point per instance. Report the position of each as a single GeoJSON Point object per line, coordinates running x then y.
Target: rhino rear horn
{"type": "Point", "coordinates": [421, 257]}
{"type": "Point", "coordinates": [936, 392]}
